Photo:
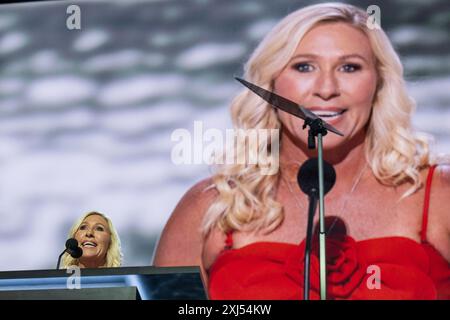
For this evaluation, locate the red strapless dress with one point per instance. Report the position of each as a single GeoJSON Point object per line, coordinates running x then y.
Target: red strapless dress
{"type": "Point", "coordinates": [274, 270]}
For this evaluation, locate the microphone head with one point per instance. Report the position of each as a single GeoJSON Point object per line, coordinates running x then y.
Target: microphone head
{"type": "Point", "coordinates": [308, 177]}
{"type": "Point", "coordinates": [71, 243]}
{"type": "Point", "coordinates": [76, 253]}
{"type": "Point", "coordinates": [73, 249]}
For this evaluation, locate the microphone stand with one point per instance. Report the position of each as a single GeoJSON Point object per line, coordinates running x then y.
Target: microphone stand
{"type": "Point", "coordinates": [311, 210]}
{"type": "Point", "coordinates": [317, 129]}
{"type": "Point", "coordinates": [59, 259]}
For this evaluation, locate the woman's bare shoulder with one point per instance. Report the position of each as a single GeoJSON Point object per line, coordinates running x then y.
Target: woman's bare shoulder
{"type": "Point", "coordinates": [443, 174]}
{"type": "Point", "coordinates": [442, 192]}
{"type": "Point", "coordinates": [181, 241]}
{"type": "Point", "coordinates": [439, 215]}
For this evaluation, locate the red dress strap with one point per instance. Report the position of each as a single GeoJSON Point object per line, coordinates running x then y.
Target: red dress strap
{"type": "Point", "coordinates": [229, 240]}
{"type": "Point", "coordinates": [426, 205]}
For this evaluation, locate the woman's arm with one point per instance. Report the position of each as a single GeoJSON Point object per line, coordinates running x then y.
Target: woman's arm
{"type": "Point", "coordinates": [439, 215]}
{"type": "Point", "coordinates": [181, 242]}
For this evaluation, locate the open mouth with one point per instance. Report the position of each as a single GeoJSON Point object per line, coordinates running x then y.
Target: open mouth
{"type": "Point", "coordinates": [328, 113]}
{"type": "Point", "coordinates": [88, 244]}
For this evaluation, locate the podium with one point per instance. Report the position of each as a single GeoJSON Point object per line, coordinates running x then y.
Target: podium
{"type": "Point", "coordinates": [128, 283]}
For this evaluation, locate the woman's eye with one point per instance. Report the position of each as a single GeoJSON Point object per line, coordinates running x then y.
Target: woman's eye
{"type": "Point", "coordinates": [303, 67]}
{"type": "Point", "coordinates": [83, 228]}
{"type": "Point", "coordinates": [100, 229]}
{"type": "Point", "coordinates": [351, 67]}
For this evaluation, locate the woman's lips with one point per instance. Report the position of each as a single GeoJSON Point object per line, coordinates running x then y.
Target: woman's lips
{"type": "Point", "coordinates": [330, 114]}
{"type": "Point", "coordinates": [89, 244]}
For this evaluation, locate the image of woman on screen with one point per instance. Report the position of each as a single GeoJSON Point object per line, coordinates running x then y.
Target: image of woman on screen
{"type": "Point", "coordinates": [388, 221]}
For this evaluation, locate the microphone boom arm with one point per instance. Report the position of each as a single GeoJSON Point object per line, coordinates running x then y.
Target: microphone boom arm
{"type": "Point", "coordinates": [59, 259]}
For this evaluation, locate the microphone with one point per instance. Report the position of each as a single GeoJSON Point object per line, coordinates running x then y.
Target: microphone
{"type": "Point", "coordinates": [308, 180]}
{"type": "Point", "coordinates": [72, 248]}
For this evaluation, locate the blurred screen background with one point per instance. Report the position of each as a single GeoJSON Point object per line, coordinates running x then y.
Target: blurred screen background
{"type": "Point", "coordinates": [86, 116]}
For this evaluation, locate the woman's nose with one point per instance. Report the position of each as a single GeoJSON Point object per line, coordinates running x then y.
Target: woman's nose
{"type": "Point", "coordinates": [326, 86]}
{"type": "Point", "coordinates": [89, 233]}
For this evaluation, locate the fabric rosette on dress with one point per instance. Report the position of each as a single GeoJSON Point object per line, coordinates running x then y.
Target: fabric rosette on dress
{"type": "Point", "coordinates": [357, 270]}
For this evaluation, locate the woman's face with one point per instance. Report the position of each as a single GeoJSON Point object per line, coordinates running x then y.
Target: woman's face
{"type": "Point", "coordinates": [333, 74]}
{"type": "Point", "coordinates": [94, 238]}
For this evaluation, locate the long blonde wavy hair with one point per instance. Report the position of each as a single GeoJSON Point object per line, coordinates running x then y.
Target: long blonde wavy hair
{"type": "Point", "coordinates": [114, 253]}
{"type": "Point", "coordinates": [394, 151]}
